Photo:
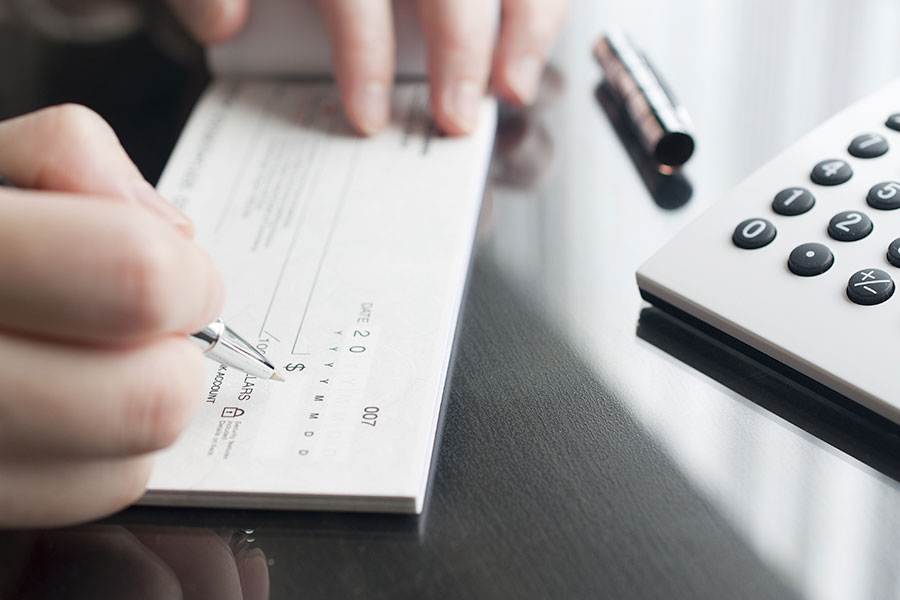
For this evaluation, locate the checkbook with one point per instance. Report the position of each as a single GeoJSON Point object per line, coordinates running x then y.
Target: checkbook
{"type": "Point", "coordinates": [345, 261]}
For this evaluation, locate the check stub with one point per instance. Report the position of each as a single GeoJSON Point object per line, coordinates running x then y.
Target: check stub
{"type": "Point", "coordinates": [345, 261]}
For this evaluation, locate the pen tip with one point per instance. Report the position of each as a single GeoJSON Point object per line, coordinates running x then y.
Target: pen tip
{"type": "Point", "coordinates": [276, 376]}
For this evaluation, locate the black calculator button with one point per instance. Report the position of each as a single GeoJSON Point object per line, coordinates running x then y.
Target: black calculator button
{"type": "Point", "coordinates": [869, 145]}
{"type": "Point", "coordinates": [753, 233]}
{"type": "Point", "coordinates": [893, 253]}
{"type": "Point", "coordinates": [870, 286]}
{"type": "Point", "coordinates": [832, 172]}
{"type": "Point", "coordinates": [893, 122]}
{"type": "Point", "coordinates": [849, 226]}
{"type": "Point", "coordinates": [793, 201]}
{"type": "Point", "coordinates": [884, 196]}
{"type": "Point", "coordinates": [809, 260]}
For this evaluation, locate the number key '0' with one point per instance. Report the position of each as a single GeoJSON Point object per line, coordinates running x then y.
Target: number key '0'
{"type": "Point", "coordinates": [753, 233]}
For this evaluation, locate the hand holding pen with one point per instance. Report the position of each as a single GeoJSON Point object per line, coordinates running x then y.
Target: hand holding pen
{"type": "Point", "coordinates": [102, 284]}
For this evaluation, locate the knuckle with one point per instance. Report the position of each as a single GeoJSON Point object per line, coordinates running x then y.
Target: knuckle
{"type": "Point", "coordinates": [145, 267]}
{"type": "Point", "coordinates": [75, 122]}
{"type": "Point", "coordinates": [161, 406]}
{"type": "Point", "coordinates": [68, 132]}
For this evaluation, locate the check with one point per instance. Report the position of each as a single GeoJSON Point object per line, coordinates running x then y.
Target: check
{"type": "Point", "coordinates": [346, 258]}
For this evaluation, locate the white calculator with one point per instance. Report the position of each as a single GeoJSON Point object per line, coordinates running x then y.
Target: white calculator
{"type": "Point", "coordinates": [802, 260]}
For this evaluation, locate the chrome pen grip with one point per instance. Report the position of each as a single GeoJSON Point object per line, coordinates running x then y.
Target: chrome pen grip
{"type": "Point", "coordinates": [209, 336]}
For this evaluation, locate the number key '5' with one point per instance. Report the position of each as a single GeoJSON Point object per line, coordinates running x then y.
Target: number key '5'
{"type": "Point", "coordinates": [885, 196]}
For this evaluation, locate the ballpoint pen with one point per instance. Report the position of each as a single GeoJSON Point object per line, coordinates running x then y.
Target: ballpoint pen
{"type": "Point", "coordinates": [218, 342]}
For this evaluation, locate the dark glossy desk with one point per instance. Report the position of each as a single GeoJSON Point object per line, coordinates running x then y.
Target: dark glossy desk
{"type": "Point", "coordinates": [592, 447]}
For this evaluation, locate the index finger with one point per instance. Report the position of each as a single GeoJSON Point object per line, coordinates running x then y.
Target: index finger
{"type": "Point", "coordinates": [77, 268]}
{"type": "Point", "coordinates": [70, 148]}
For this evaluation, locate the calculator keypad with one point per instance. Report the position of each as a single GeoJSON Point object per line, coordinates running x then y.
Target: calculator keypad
{"type": "Point", "coordinates": [866, 287]}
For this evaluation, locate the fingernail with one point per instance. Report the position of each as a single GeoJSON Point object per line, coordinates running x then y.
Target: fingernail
{"type": "Point", "coordinates": [461, 102]}
{"type": "Point", "coordinates": [155, 203]}
{"type": "Point", "coordinates": [370, 108]}
{"type": "Point", "coordinates": [523, 77]}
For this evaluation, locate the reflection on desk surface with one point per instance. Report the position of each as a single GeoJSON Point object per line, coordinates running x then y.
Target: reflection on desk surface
{"type": "Point", "coordinates": [109, 561]}
{"type": "Point", "coordinates": [815, 409]}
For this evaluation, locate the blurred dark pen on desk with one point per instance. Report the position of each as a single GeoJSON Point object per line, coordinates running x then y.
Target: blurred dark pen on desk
{"type": "Point", "coordinates": [652, 126]}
